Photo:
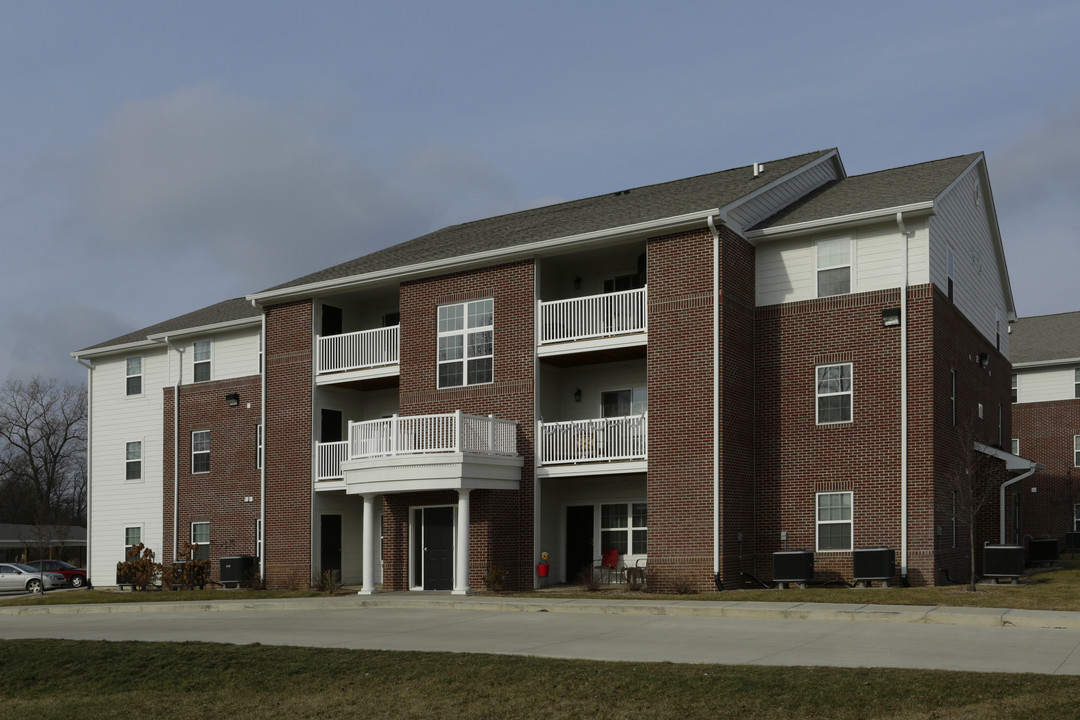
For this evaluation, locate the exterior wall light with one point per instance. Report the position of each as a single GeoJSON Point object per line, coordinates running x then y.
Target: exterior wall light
{"type": "Point", "coordinates": [984, 360]}
{"type": "Point", "coordinates": [233, 399]}
{"type": "Point", "coordinates": [577, 395]}
{"type": "Point", "coordinates": [890, 317]}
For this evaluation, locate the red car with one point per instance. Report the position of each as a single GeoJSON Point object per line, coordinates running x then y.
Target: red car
{"type": "Point", "coordinates": [75, 577]}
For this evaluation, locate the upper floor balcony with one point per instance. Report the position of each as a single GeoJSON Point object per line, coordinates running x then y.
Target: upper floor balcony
{"type": "Point", "coordinates": [614, 318]}
{"type": "Point", "coordinates": [358, 355]}
{"type": "Point", "coordinates": [596, 440]}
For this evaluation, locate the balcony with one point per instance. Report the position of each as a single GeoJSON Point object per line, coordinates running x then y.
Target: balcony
{"type": "Point", "coordinates": [610, 319]}
{"type": "Point", "coordinates": [366, 352]}
{"type": "Point", "coordinates": [329, 457]}
{"type": "Point", "coordinates": [599, 440]}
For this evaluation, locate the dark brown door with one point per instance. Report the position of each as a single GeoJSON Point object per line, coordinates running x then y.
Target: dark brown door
{"type": "Point", "coordinates": [579, 541]}
{"type": "Point", "coordinates": [330, 544]}
{"type": "Point", "coordinates": [438, 541]}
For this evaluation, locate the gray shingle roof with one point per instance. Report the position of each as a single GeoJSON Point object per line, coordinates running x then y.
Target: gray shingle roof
{"type": "Point", "coordinates": [1045, 337]}
{"type": "Point", "coordinates": [226, 311]}
{"type": "Point", "coordinates": [873, 191]}
{"type": "Point", "coordinates": [627, 207]}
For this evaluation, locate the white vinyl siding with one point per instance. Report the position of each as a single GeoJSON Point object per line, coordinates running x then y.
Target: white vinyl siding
{"type": "Point", "coordinates": [1044, 384]}
{"type": "Point", "coordinates": [232, 354]}
{"type": "Point", "coordinates": [961, 224]}
{"type": "Point", "coordinates": [769, 202]}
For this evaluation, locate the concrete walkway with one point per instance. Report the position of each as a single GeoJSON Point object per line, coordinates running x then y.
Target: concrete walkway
{"type": "Point", "coordinates": [842, 635]}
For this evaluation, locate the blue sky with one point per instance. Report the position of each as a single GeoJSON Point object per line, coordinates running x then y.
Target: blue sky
{"type": "Point", "coordinates": [156, 158]}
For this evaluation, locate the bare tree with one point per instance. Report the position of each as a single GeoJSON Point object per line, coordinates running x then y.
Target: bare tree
{"type": "Point", "coordinates": [973, 484]}
{"type": "Point", "coordinates": [43, 452]}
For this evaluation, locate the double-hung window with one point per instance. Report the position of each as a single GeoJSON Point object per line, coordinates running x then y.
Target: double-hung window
{"type": "Point", "coordinates": [1014, 386]}
{"type": "Point", "coordinates": [200, 538]}
{"type": "Point", "coordinates": [834, 266]}
{"type": "Point", "coordinates": [258, 446]}
{"type": "Point", "coordinates": [201, 359]}
{"type": "Point", "coordinates": [466, 345]}
{"type": "Point", "coordinates": [834, 521]}
{"type": "Point", "coordinates": [200, 451]}
{"type": "Point", "coordinates": [833, 393]}
{"type": "Point", "coordinates": [625, 527]}
{"type": "Point", "coordinates": [134, 376]}
{"type": "Point", "coordinates": [1016, 446]}
{"type": "Point", "coordinates": [1076, 383]}
{"type": "Point", "coordinates": [132, 537]}
{"type": "Point", "coordinates": [133, 461]}
{"type": "Point", "coordinates": [1076, 450]}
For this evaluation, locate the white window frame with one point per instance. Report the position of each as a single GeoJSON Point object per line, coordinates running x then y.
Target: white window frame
{"type": "Point", "coordinates": [129, 460]}
{"type": "Point", "coordinates": [639, 399]}
{"type": "Point", "coordinates": [127, 537]}
{"type": "Point", "coordinates": [201, 450]}
{"type": "Point", "coordinates": [819, 395]}
{"type": "Point", "coordinates": [1016, 446]}
{"type": "Point", "coordinates": [1015, 388]}
{"type": "Point", "coordinates": [849, 521]}
{"type": "Point", "coordinates": [1076, 517]}
{"type": "Point", "coordinates": [201, 553]}
{"type": "Point", "coordinates": [202, 356]}
{"type": "Point", "coordinates": [1076, 382]}
{"type": "Point", "coordinates": [129, 376]}
{"type": "Point", "coordinates": [458, 324]}
{"type": "Point", "coordinates": [1076, 450]}
{"type": "Point", "coordinates": [629, 529]}
{"type": "Point", "coordinates": [821, 266]}
{"type": "Point", "coordinates": [259, 447]}
{"type": "Point", "coordinates": [258, 538]}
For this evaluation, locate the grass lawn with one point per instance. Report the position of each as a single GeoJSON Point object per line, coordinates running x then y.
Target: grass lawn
{"type": "Point", "coordinates": [57, 678]}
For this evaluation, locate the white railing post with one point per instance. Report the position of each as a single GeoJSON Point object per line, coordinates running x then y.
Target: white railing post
{"type": "Point", "coordinates": [393, 434]}
{"type": "Point", "coordinates": [491, 434]}
{"type": "Point", "coordinates": [459, 431]}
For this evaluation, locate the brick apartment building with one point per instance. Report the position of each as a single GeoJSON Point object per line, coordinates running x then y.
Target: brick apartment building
{"type": "Point", "coordinates": [694, 374]}
{"type": "Point", "coordinates": [1046, 426]}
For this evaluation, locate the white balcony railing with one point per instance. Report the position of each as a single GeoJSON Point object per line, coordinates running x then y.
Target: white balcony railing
{"type": "Point", "coordinates": [595, 316]}
{"type": "Point", "coordinates": [357, 350]}
{"type": "Point", "coordinates": [422, 434]}
{"type": "Point", "coordinates": [596, 440]}
{"type": "Point", "coordinates": [329, 458]}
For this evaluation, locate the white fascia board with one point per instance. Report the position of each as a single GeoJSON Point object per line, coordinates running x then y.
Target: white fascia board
{"type": "Point", "coordinates": [205, 329]}
{"type": "Point", "coordinates": [832, 155]}
{"type": "Point", "coordinates": [1046, 363]}
{"type": "Point", "coordinates": [920, 208]}
{"type": "Point", "coordinates": [507, 254]}
{"type": "Point", "coordinates": [1013, 463]}
{"type": "Point", "coordinates": [112, 349]}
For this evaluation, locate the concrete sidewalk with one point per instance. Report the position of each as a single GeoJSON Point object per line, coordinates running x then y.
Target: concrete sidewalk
{"type": "Point", "coordinates": [846, 612]}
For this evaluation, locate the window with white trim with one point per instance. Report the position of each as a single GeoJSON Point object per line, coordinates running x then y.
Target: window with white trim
{"type": "Point", "coordinates": [133, 461]}
{"type": "Point", "coordinates": [466, 347]}
{"type": "Point", "coordinates": [1014, 387]}
{"type": "Point", "coordinates": [258, 447]}
{"type": "Point", "coordinates": [833, 391]}
{"type": "Point", "coordinates": [1076, 383]}
{"type": "Point", "coordinates": [1016, 446]}
{"type": "Point", "coordinates": [621, 403]}
{"type": "Point", "coordinates": [834, 266]}
{"type": "Point", "coordinates": [201, 359]}
{"type": "Point", "coordinates": [259, 538]}
{"type": "Point", "coordinates": [200, 538]}
{"type": "Point", "coordinates": [833, 521]}
{"type": "Point", "coordinates": [132, 537]}
{"type": "Point", "coordinates": [133, 368]}
{"type": "Point", "coordinates": [1076, 517]}
{"type": "Point", "coordinates": [1076, 450]}
{"type": "Point", "coordinates": [200, 451]}
{"type": "Point", "coordinates": [625, 527]}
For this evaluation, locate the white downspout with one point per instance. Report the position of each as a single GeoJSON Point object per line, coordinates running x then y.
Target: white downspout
{"type": "Point", "coordinates": [262, 470]}
{"type": "Point", "coordinates": [903, 400]}
{"type": "Point", "coordinates": [89, 449]}
{"type": "Point", "coordinates": [1004, 485]}
{"type": "Point", "coordinates": [716, 395]}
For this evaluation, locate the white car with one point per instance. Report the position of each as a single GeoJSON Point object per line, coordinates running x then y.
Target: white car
{"type": "Point", "coordinates": [19, 577]}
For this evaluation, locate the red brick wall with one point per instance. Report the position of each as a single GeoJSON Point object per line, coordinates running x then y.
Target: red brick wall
{"type": "Point", "coordinates": [1046, 431]}
{"type": "Point", "coordinates": [501, 522]}
{"type": "Point", "coordinates": [217, 497]}
{"type": "Point", "coordinates": [289, 444]}
{"type": "Point", "coordinates": [680, 376]}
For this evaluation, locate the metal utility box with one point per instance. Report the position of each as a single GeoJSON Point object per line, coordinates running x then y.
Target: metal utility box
{"type": "Point", "coordinates": [1003, 561]}
{"type": "Point", "coordinates": [237, 569]}
{"type": "Point", "coordinates": [1072, 541]}
{"type": "Point", "coordinates": [878, 563]}
{"type": "Point", "coordinates": [793, 566]}
{"type": "Point", "coordinates": [1043, 550]}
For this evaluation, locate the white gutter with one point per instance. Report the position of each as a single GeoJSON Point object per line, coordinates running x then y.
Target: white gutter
{"type": "Point", "coordinates": [1013, 463]}
{"type": "Point", "coordinates": [903, 399]}
{"type": "Point", "coordinates": [505, 254]}
{"type": "Point", "coordinates": [201, 329]}
{"type": "Point", "coordinates": [261, 539]}
{"type": "Point", "coordinates": [1045, 363]}
{"type": "Point", "coordinates": [838, 220]}
{"type": "Point", "coordinates": [716, 395]}
{"type": "Point", "coordinates": [89, 447]}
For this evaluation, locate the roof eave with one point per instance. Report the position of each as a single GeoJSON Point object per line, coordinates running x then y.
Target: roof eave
{"type": "Point", "coordinates": [507, 254]}
{"type": "Point", "coordinates": [1046, 363]}
{"type": "Point", "coordinates": [1013, 463]}
{"type": "Point", "coordinates": [841, 221]}
{"type": "Point", "coordinates": [155, 339]}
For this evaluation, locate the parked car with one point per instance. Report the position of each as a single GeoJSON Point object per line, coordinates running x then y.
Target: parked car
{"type": "Point", "coordinates": [73, 576]}
{"type": "Point", "coordinates": [15, 576]}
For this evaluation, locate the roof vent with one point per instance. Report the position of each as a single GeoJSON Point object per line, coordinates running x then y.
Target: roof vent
{"type": "Point", "coordinates": [758, 169]}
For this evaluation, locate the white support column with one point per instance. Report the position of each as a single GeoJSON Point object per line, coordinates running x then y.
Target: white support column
{"type": "Point", "coordinates": [371, 543]}
{"type": "Point", "coordinates": [461, 547]}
